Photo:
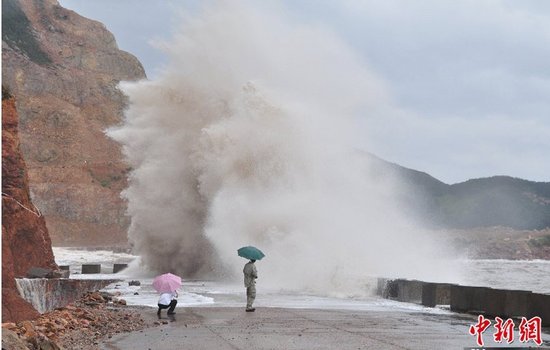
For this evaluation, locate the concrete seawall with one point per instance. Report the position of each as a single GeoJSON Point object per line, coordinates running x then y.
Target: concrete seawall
{"type": "Point", "coordinates": [469, 299]}
{"type": "Point", "coordinates": [96, 268]}
{"type": "Point", "coordinates": [47, 294]}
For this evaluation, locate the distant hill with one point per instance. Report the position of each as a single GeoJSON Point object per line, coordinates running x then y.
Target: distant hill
{"type": "Point", "coordinates": [486, 202]}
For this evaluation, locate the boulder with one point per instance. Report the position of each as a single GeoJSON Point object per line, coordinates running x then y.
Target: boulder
{"type": "Point", "coordinates": [39, 272]}
{"type": "Point", "coordinates": [11, 341]}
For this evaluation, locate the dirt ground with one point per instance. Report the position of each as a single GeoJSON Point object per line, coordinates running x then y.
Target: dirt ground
{"type": "Point", "coordinates": [80, 325]}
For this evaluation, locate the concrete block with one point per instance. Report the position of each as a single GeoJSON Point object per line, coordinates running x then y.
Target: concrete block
{"type": "Point", "coordinates": [390, 289]}
{"type": "Point", "coordinates": [539, 305]}
{"type": "Point", "coordinates": [495, 303]}
{"type": "Point", "coordinates": [428, 294]}
{"type": "Point", "coordinates": [409, 291]}
{"type": "Point", "coordinates": [91, 268]}
{"type": "Point", "coordinates": [436, 294]}
{"type": "Point", "coordinates": [443, 294]}
{"type": "Point", "coordinates": [381, 286]}
{"type": "Point", "coordinates": [517, 303]}
{"type": "Point", "coordinates": [119, 267]}
{"type": "Point", "coordinates": [507, 303]}
{"type": "Point", "coordinates": [468, 299]}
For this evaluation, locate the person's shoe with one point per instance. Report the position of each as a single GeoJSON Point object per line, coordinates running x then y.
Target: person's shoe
{"type": "Point", "coordinates": [171, 313]}
{"type": "Point", "coordinates": [251, 309]}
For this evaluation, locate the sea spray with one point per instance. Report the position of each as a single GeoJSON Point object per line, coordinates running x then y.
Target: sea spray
{"type": "Point", "coordinates": [247, 138]}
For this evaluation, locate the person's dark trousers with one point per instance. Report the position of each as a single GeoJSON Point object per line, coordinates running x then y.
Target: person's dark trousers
{"type": "Point", "coordinates": [170, 307]}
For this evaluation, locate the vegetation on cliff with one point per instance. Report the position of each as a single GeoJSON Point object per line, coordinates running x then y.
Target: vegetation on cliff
{"type": "Point", "coordinates": [18, 33]}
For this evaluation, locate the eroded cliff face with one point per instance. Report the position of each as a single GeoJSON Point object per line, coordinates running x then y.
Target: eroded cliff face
{"type": "Point", "coordinates": [25, 239]}
{"type": "Point", "coordinates": [64, 70]}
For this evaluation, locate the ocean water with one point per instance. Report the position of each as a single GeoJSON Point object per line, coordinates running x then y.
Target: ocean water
{"type": "Point", "coordinates": [506, 274]}
{"type": "Point", "coordinates": [533, 275]}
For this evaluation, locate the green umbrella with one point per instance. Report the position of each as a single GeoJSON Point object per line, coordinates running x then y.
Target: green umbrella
{"type": "Point", "coordinates": [251, 253]}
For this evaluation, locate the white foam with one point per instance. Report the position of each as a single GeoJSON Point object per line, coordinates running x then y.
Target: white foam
{"type": "Point", "coordinates": [75, 258]}
{"type": "Point", "coordinates": [530, 275]}
{"type": "Point", "coordinates": [145, 295]}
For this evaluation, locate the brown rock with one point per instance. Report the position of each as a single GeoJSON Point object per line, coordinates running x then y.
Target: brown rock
{"type": "Point", "coordinates": [29, 329]}
{"type": "Point", "coordinates": [14, 308]}
{"type": "Point", "coordinates": [38, 272]}
{"type": "Point", "coordinates": [11, 341]}
{"type": "Point", "coordinates": [25, 239]}
{"type": "Point", "coordinates": [47, 344]}
{"type": "Point", "coordinates": [8, 325]}
{"type": "Point", "coordinates": [66, 83]}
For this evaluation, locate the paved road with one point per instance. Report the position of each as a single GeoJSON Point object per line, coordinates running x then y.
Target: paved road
{"type": "Point", "coordinates": [278, 328]}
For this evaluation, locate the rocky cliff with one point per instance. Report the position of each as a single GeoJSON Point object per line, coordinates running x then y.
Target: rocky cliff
{"type": "Point", "coordinates": [25, 239]}
{"type": "Point", "coordinates": [64, 69]}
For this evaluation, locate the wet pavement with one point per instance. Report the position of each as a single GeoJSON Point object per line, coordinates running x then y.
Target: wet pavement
{"type": "Point", "coordinates": [223, 328]}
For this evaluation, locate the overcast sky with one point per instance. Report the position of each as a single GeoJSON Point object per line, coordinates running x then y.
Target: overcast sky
{"type": "Point", "coordinates": [469, 81]}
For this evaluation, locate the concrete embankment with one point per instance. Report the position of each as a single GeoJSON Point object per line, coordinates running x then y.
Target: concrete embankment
{"type": "Point", "coordinates": [47, 294]}
{"type": "Point", "coordinates": [469, 299]}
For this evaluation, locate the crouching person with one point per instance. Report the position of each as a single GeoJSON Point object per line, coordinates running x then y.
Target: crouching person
{"type": "Point", "coordinates": [168, 301]}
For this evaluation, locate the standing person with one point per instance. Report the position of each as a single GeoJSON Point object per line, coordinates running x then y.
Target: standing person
{"type": "Point", "coordinates": [168, 301]}
{"type": "Point", "coordinates": [250, 275]}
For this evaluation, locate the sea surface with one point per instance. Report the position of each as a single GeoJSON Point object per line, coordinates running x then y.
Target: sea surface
{"type": "Point", "coordinates": [505, 274]}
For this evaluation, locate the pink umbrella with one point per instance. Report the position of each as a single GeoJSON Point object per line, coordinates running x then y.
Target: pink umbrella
{"type": "Point", "coordinates": [167, 283]}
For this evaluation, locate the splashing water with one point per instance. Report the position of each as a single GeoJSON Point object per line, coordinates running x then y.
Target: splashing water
{"type": "Point", "coordinates": [247, 138]}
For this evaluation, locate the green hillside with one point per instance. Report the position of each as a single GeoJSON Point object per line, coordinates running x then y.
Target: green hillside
{"type": "Point", "coordinates": [494, 201]}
